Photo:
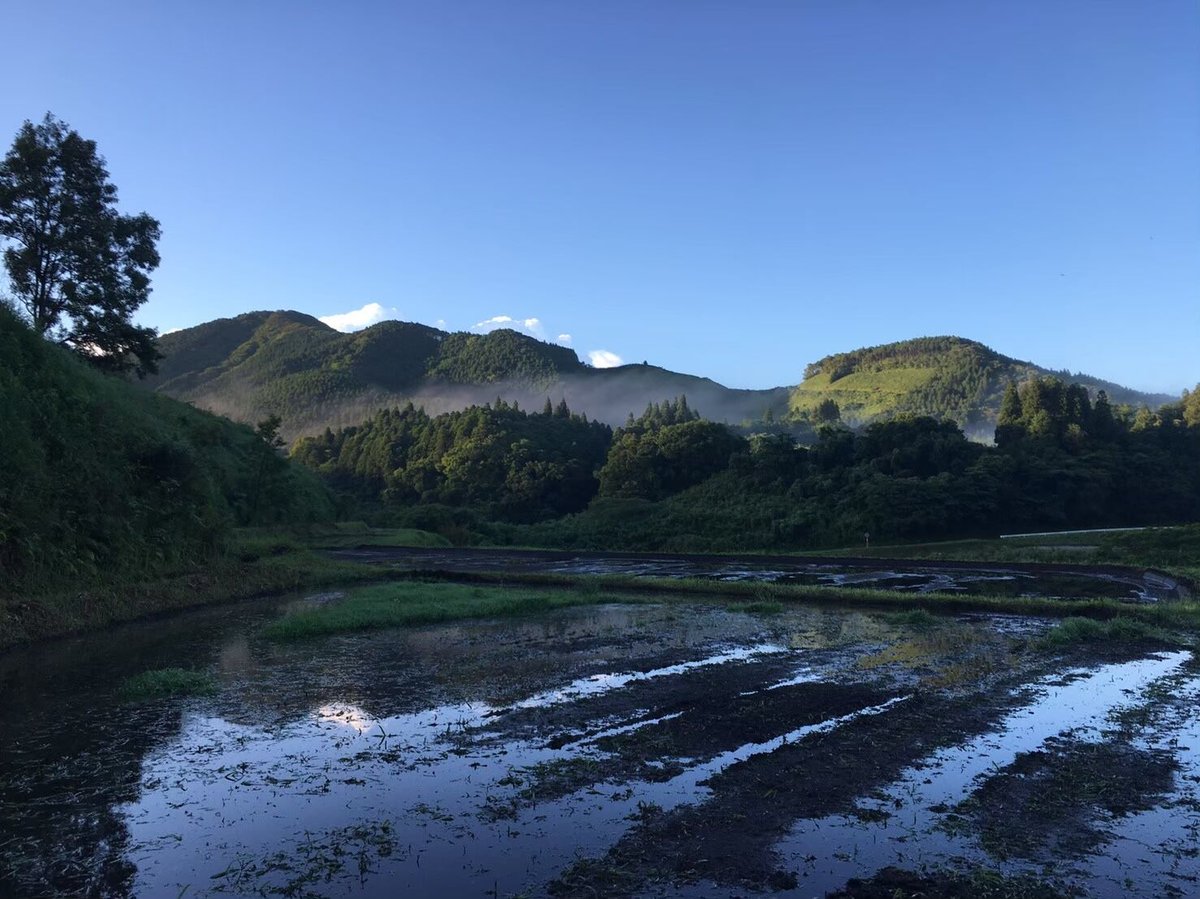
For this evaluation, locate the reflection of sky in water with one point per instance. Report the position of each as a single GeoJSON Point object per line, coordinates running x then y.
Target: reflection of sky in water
{"type": "Point", "coordinates": [349, 741]}
{"type": "Point", "coordinates": [829, 850]}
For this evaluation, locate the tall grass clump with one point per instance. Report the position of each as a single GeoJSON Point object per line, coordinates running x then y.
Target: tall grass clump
{"type": "Point", "coordinates": [1077, 630]}
{"type": "Point", "coordinates": [163, 682]}
{"type": "Point", "coordinates": [407, 604]}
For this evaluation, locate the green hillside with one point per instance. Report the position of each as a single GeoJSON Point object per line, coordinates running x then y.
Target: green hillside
{"type": "Point", "coordinates": [313, 377]}
{"type": "Point", "coordinates": [946, 377]}
{"type": "Point", "coordinates": [104, 483]}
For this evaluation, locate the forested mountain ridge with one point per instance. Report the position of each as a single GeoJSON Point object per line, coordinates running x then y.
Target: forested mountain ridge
{"type": "Point", "coordinates": [292, 365]}
{"type": "Point", "coordinates": [946, 377]}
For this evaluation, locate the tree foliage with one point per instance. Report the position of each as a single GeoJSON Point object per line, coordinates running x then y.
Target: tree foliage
{"type": "Point", "coordinates": [506, 463]}
{"type": "Point", "coordinates": [77, 267]}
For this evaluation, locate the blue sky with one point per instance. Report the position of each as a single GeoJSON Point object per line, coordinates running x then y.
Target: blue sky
{"type": "Point", "coordinates": [731, 189]}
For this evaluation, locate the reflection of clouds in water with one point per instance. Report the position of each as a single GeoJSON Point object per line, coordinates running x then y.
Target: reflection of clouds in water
{"type": "Point", "coordinates": [346, 715]}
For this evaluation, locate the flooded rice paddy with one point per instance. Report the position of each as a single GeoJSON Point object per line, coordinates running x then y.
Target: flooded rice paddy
{"type": "Point", "coordinates": [967, 578]}
{"type": "Point", "coordinates": [612, 750]}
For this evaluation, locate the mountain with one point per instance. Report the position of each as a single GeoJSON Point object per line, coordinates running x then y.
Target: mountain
{"type": "Point", "coordinates": [294, 366]}
{"type": "Point", "coordinates": [940, 376]}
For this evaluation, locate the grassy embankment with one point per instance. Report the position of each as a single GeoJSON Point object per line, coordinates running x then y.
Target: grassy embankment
{"type": "Point", "coordinates": [457, 596]}
{"type": "Point", "coordinates": [1173, 550]}
{"type": "Point", "coordinates": [256, 562]}
{"type": "Point", "coordinates": [477, 595]}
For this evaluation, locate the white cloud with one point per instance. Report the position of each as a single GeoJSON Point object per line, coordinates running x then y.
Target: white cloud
{"type": "Point", "coordinates": [440, 323]}
{"type": "Point", "coordinates": [564, 339]}
{"type": "Point", "coordinates": [604, 359]}
{"type": "Point", "coordinates": [496, 321]}
{"type": "Point", "coordinates": [356, 319]}
{"type": "Point", "coordinates": [531, 326]}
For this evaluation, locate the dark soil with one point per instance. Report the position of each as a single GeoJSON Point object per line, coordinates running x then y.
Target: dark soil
{"type": "Point", "coordinates": [894, 883]}
{"type": "Point", "coordinates": [730, 838]}
{"type": "Point", "coordinates": [1043, 805]}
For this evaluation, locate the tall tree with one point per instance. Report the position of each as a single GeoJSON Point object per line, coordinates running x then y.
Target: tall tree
{"type": "Point", "coordinates": [78, 269]}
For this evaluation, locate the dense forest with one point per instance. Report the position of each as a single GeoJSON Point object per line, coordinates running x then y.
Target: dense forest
{"type": "Point", "coordinates": [103, 481]}
{"type": "Point", "coordinates": [670, 480]}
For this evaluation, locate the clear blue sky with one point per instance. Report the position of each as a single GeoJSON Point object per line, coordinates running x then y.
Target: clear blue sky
{"type": "Point", "coordinates": [732, 189]}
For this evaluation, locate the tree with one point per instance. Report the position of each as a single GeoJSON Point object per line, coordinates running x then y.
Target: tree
{"type": "Point", "coordinates": [77, 268]}
{"type": "Point", "coordinates": [828, 411]}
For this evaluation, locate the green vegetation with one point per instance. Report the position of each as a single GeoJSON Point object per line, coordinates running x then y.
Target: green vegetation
{"type": "Point", "coordinates": [1175, 550]}
{"type": "Point", "coordinates": [260, 564]}
{"type": "Point", "coordinates": [944, 377]}
{"type": "Point", "coordinates": [399, 605]}
{"type": "Point", "coordinates": [1088, 630]}
{"type": "Point", "coordinates": [107, 489]}
{"type": "Point", "coordinates": [77, 268]}
{"type": "Point", "coordinates": [907, 479]}
{"type": "Point", "coordinates": [164, 682]}
{"type": "Point", "coordinates": [916, 620]}
{"type": "Point", "coordinates": [758, 607]}
{"type": "Point", "coordinates": [498, 460]}
{"type": "Point", "coordinates": [292, 365]}
{"type": "Point", "coordinates": [671, 481]}
{"type": "Point", "coordinates": [103, 481]}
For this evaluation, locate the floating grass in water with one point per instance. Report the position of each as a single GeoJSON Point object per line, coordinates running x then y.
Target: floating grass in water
{"type": "Point", "coordinates": [163, 682]}
{"type": "Point", "coordinates": [1074, 630]}
{"type": "Point", "coordinates": [758, 606]}
{"type": "Point", "coordinates": [400, 605]}
{"type": "Point", "coordinates": [916, 620]}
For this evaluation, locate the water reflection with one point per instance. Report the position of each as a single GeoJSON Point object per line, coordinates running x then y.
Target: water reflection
{"type": "Point", "coordinates": [460, 759]}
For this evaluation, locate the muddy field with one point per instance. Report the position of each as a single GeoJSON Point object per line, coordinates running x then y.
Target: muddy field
{"type": "Point", "coordinates": [1057, 581]}
{"type": "Point", "coordinates": [616, 750]}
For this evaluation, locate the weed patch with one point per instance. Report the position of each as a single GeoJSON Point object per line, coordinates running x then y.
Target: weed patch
{"type": "Point", "coordinates": [164, 682]}
{"type": "Point", "coordinates": [407, 604]}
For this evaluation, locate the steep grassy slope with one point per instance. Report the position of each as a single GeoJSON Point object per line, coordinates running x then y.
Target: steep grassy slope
{"type": "Point", "coordinates": [314, 377]}
{"type": "Point", "coordinates": [103, 482]}
{"type": "Point", "coordinates": [939, 376]}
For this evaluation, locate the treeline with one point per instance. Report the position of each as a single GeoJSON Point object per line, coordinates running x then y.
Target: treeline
{"type": "Point", "coordinates": [496, 460]}
{"type": "Point", "coordinates": [102, 481]}
{"type": "Point", "coordinates": [669, 480]}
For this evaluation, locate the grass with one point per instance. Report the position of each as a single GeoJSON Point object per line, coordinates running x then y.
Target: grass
{"type": "Point", "coordinates": [1174, 614]}
{"type": "Point", "coordinates": [1076, 630]}
{"type": "Point", "coordinates": [349, 534]}
{"type": "Point", "coordinates": [401, 605]}
{"type": "Point", "coordinates": [260, 563]}
{"type": "Point", "coordinates": [916, 620]}
{"type": "Point", "coordinates": [865, 393]}
{"type": "Point", "coordinates": [758, 607]}
{"type": "Point", "coordinates": [1175, 550]}
{"type": "Point", "coordinates": [163, 682]}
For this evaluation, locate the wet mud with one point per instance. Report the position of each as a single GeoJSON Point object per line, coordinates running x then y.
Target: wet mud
{"type": "Point", "coordinates": [646, 750]}
{"type": "Point", "coordinates": [1059, 581]}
